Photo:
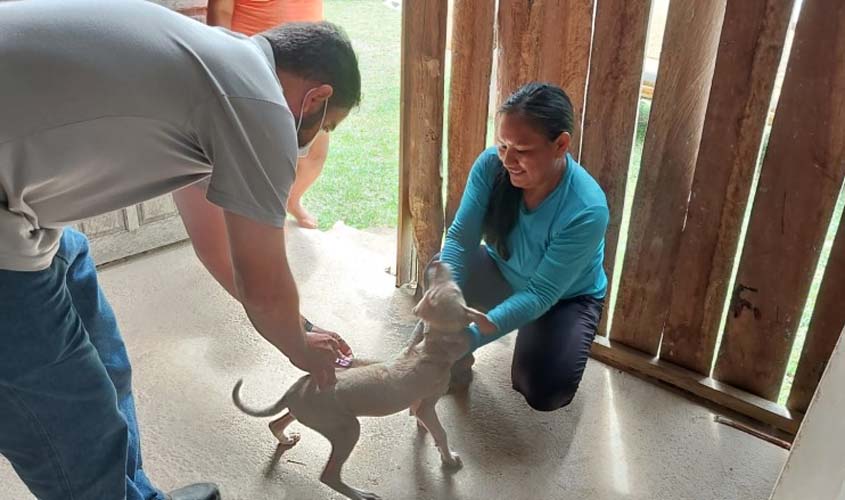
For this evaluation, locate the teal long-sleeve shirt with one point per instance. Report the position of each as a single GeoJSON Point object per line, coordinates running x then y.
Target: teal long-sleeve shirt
{"type": "Point", "coordinates": [557, 249]}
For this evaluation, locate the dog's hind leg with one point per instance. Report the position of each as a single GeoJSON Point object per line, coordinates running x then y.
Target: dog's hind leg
{"type": "Point", "coordinates": [278, 426]}
{"type": "Point", "coordinates": [427, 415]}
{"type": "Point", "coordinates": [343, 438]}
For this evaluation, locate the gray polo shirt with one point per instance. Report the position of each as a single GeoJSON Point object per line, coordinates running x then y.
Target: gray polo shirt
{"type": "Point", "coordinates": [107, 103]}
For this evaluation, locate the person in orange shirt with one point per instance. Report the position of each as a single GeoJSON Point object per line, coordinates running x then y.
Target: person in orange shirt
{"type": "Point", "coordinates": [254, 16]}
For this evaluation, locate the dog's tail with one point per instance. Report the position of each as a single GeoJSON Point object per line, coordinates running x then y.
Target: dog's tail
{"type": "Point", "coordinates": [266, 412]}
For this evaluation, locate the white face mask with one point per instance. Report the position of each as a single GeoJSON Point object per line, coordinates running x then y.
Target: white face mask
{"type": "Point", "coordinates": [302, 151]}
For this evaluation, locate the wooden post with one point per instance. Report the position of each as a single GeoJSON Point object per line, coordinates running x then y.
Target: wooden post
{"type": "Point", "coordinates": [801, 177]}
{"type": "Point", "coordinates": [565, 38]}
{"type": "Point", "coordinates": [750, 48]}
{"type": "Point", "coordinates": [669, 155]}
{"type": "Point", "coordinates": [546, 40]}
{"type": "Point", "coordinates": [825, 326]}
{"type": "Point", "coordinates": [610, 117]}
{"type": "Point", "coordinates": [421, 121]}
{"type": "Point", "coordinates": [472, 59]}
{"type": "Point", "coordinates": [513, 66]}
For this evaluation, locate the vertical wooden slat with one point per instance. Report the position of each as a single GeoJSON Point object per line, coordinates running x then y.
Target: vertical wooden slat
{"type": "Point", "coordinates": [469, 95]}
{"type": "Point", "coordinates": [564, 55]}
{"type": "Point", "coordinates": [753, 35]}
{"type": "Point", "coordinates": [546, 40]}
{"type": "Point", "coordinates": [669, 155]}
{"type": "Point", "coordinates": [610, 117]}
{"type": "Point", "coordinates": [423, 65]}
{"type": "Point", "coordinates": [512, 68]}
{"type": "Point", "coordinates": [405, 255]}
{"type": "Point", "coordinates": [800, 179]}
{"type": "Point", "coordinates": [826, 324]}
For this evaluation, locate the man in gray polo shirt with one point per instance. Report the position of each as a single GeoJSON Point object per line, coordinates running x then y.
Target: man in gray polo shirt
{"type": "Point", "coordinates": [104, 104]}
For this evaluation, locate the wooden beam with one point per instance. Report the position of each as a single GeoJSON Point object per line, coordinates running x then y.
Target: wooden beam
{"type": "Point", "coordinates": [621, 356]}
{"type": "Point", "coordinates": [610, 117]}
{"type": "Point", "coordinates": [668, 161]}
{"type": "Point", "coordinates": [405, 254]}
{"type": "Point", "coordinates": [825, 326]}
{"type": "Point", "coordinates": [469, 95]}
{"type": "Point", "coordinates": [750, 48]}
{"type": "Point", "coordinates": [423, 65]}
{"type": "Point", "coordinates": [513, 64]}
{"type": "Point", "coordinates": [563, 58]}
{"type": "Point", "coordinates": [801, 177]}
{"type": "Point", "coordinates": [546, 40]}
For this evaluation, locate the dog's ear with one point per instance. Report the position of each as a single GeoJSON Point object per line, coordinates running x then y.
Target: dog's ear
{"type": "Point", "coordinates": [474, 315]}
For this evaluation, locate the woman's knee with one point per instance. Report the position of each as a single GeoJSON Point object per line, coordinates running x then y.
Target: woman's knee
{"type": "Point", "coordinates": [542, 397]}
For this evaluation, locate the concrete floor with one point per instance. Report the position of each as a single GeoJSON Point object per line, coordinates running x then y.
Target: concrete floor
{"type": "Point", "coordinates": [622, 438]}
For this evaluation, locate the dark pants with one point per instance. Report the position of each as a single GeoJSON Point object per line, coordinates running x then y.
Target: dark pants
{"type": "Point", "coordinates": [551, 352]}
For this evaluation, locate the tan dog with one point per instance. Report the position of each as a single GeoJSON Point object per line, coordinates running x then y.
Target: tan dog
{"type": "Point", "coordinates": [415, 380]}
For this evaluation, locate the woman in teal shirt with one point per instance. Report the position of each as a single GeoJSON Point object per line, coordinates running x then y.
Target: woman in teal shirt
{"type": "Point", "coordinates": [543, 218]}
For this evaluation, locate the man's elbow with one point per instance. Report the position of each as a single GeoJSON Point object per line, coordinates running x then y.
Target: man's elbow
{"type": "Point", "coordinates": [255, 297]}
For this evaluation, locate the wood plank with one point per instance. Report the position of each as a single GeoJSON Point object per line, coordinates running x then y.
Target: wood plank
{"type": "Point", "coordinates": [668, 161]}
{"type": "Point", "coordinates": [469, 95]}
{"type": "Point", "coordinates": [104, 225]}
{"type": "Point", "coordinates": [546, 40]}
{"type": "Point", "coordinates": [157, 209]}
{"type": "Point", "coordinates": [405, 255]}
{"type": "Point", "coordinates": [512, 65]}
{"type": "Point", "coordinates": [801, 177]}
{"type": "Point", "coordinates": [750, 48]}
{"type": "Point", "coordinates": [148, 237]}
{"type": "Point", "coordinates": [423, 64]}
{"type": "Point", "coordinates": [563, 58]}
{"type": "Point", "coordinates": [825, 326]}
{"type": "Point", "coordinates": [762, 410]}
{"type": "Point", "coordinates": [610, 117]}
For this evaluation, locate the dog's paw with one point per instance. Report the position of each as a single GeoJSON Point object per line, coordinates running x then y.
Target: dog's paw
{"type": "Point", "coordinates": [366, 495]}
{"type": "Point", "coordinates": [288, 439]}
{"type": "Point", "coordinates": [452, 461]}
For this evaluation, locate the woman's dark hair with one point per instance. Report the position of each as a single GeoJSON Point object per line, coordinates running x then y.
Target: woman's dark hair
{"type": "Point", "coordinates": [319, 51]}
{"type": "Point", "coordinates": [548, 109]}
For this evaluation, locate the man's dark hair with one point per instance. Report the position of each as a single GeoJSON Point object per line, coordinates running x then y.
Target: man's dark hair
{"type": "Point", "coordinates": [322, 52]}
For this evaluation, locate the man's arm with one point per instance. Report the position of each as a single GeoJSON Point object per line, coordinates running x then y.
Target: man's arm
{"type": "Point", "coordinates": [220, 13]}
{"type": "Point", "coordinates": [206, 227]}
{"type": "Point", "coordinates": [267, 290]}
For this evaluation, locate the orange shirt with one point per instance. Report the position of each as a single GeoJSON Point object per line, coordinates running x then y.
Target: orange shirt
{"type": "Point", "coordinates": [253, 16]}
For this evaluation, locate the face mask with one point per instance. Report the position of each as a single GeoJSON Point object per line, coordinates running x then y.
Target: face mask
{"type": "Point", "coordinates": [302, 151]}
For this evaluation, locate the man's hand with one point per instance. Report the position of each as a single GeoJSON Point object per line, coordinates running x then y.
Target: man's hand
{"type": "Point", "coordinates": [318, 358]}
{"type": "Point", "coordinates": [344, 347]}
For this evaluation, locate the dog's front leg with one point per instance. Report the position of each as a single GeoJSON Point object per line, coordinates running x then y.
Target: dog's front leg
{"type": "Point", "coordinates": [418, 334]}
{"type": "Point", "coordinates": [427, 415]}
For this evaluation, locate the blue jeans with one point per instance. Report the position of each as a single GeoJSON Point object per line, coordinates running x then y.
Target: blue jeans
{"type": "Point", "coordinates": [67, 416]}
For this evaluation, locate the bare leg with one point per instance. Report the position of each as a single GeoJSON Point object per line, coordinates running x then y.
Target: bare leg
{"type": "Point", "coordinates": [343, 438]}
{"type": "Point", "coordinates": [278, 426]}
{"type": "Point", "coordinates": [427, 415]}
{"type": "Point", "coordinates": [308, 169]}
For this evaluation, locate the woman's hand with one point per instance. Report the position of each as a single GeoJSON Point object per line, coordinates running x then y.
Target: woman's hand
{"type": "Point", "coordinates": [485, 326]}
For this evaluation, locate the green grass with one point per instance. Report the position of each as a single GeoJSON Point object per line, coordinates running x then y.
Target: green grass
{"type": "Point", "coordinates": [360, 182]}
